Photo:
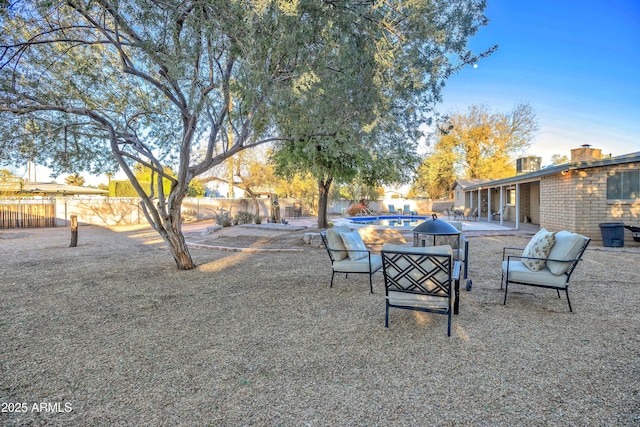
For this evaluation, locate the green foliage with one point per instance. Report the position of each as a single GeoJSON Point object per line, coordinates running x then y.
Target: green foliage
{"type": "Point", "coordinates": [76, 179]}
{"type": "Point", "coordinates": [121, 188]}
{"type": "Point", "coordinates": [361, 111]}
{"type": "Point", "coordinates": [196, 189]}
{"type": "Point", "coordinates": [222, 218]}
{"type": "Point", "coordinates": [243, 217]}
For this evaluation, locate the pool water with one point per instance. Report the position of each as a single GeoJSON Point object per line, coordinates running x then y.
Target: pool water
{"type": "Point", "coordinates": [391, 220]}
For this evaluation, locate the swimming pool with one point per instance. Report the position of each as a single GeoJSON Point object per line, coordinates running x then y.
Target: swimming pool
{"type": "Point", "coordinates": [391, 220]}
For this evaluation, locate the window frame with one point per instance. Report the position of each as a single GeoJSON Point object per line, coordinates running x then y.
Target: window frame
{"type": "Point", "coordinates": [620, 179]}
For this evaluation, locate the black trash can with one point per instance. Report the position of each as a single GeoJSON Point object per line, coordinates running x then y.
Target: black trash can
{"type": "Point", "coordinates": [612, 234]}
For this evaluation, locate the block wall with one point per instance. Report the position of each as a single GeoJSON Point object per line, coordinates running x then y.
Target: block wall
{"type": "Point", "coordinates": [577, 201]}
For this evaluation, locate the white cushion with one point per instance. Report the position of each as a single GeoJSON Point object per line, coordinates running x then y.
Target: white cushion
{"type": "Point", "coordinates": [518, 272]}
{"type": "Point", "coordinates": [359, 266]}
{"type": "Point", "coordinates": [406, 299]}
{"type": "Point", "coordinates": [538, 247]}
{"type": "Point", "coordinates": [568, 246]}
{"type": "Point", "coordinates": [354, 244]}
{"type": "Point", "coordinates": [334, 240]}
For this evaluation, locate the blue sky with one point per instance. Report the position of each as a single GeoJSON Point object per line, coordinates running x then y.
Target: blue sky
{"type": "Point", "coordinates": [577, 63]}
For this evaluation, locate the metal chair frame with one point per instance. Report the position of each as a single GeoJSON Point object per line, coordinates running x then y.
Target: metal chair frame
{"type": "Point", "coordinates": [323, 235]}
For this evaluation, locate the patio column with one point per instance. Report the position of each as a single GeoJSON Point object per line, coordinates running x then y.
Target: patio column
{"type": "Point", "coordinates": [489, 204]}
{"type": "Point", "coordinates": [501, 204]}
{"type": "Point", "coordinates": [517, 206]}
{"type": "Point", "coordinates": [479, 200]}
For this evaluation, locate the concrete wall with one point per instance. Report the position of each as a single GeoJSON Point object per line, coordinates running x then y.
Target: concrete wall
{"type": "Point", "coordinates": [127, 211]}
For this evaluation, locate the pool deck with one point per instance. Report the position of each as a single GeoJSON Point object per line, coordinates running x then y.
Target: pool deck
{"type": "Point", "coordinates": [470, 228]}
{"type": "Point", "coordinates": [481, 227]}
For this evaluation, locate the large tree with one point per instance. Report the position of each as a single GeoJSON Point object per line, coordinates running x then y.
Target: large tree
{"type": "Point", "coordinates": [485, 143]}
{"type": "Point", "coordinates": [477, 144]}
{"type": "Point", "coordinates": [371, 121]}
{"type": "Point", "coordinates": [185, 84]}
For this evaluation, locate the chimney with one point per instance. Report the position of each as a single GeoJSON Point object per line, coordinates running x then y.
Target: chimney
{"type": "Point", "coordinates": [528, 164]}
{"type": "Point", "coordinates": [585, 153]}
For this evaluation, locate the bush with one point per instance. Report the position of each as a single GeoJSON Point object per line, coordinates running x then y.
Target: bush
{"type": "Point", "coordinates": [223, 218]}
{"type": "Point", "coordinates": [189, 215]}
{"type": "Point", "coordinates": [258, 220]}
{"type": "Point", "coordinates": [243, 217]}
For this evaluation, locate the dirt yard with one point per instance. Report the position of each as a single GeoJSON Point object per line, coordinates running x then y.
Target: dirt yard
{"type": "Point", "coordinates": [111, 333]}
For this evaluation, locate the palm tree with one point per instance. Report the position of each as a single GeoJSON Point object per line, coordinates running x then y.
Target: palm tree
{"type": "Point", "coordinates": [76, 180]}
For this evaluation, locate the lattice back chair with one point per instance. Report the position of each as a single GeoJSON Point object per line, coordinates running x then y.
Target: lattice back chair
{"type": "Point", "coordinates": [421, 278]}
{"type": "Point", "coordinates": [349, 254]}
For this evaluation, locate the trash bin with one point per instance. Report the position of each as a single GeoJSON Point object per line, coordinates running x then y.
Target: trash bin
{"type": "Point", "coordinates": [612, 234]}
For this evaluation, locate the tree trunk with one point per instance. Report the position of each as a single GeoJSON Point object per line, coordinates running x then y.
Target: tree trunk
{"type": "Point", "coordinates": [74, 231]}
{"type": "Point", "coordinates": [168, 223]}
{"type": "Point", "coordinates": [323, 197]}
{"type": "Point", "coordinates": [178, 248]}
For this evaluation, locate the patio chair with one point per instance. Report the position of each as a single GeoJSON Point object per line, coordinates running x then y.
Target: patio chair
{"type": "Point", "coordinates": [348, 254]}
{"type": "Point", "coordinates": [407, 210]}
{"type": "Point", "coordinates": [392, 209]}
{"type": "Point", "coordinates": [465, 214]}
{"type": "Point", "coordinates": [421, 278]}
{"type": "Point", "coordinates": [547, 262]}
{"type": "Point", "coordinates": [470, 214]}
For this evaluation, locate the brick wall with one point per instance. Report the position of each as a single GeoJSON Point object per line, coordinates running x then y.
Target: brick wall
{"type": "Point", "coordinates": [577, 201]}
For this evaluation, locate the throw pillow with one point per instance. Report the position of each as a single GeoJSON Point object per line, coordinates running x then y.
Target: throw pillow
{"type": "Point", "coordinates": [354, 244]}
{"type": "Point", "coordinates": [568, 246]}
{"type": "Point", "coordinates": [334, 241]}
{"type": "Point", "coordinates": [538, 247]}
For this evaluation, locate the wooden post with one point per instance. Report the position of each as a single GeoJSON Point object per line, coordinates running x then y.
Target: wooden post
{"type": "Point", "coordinates": [74, 231]}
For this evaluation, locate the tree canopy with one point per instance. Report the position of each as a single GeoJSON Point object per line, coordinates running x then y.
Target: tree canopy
{"type": "Point", "coordinates": [368, 122]}
{"type": "Point", "coordinates": [476, 144]}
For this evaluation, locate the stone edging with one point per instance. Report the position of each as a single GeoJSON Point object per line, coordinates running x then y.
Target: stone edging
{"type": "Point", "coordinates": [231, 249]}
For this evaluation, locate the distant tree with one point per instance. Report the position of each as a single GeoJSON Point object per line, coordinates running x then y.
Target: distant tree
{"type": "Point", "coordinates": [196, 189]}
{"type": "Point", "coordinates": [485, 143]}
{"type": "Point", "coordinates": [478, 144]}
{"type": "Point", "coordinates": [435, 175]}
{"type": "Point", "coordinates": [559, 159]}
{"type": "Point", "coordinates": [75, 179]}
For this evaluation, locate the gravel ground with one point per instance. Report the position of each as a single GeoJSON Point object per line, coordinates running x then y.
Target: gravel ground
{"type": "Point", "coordinates": [110, 333]}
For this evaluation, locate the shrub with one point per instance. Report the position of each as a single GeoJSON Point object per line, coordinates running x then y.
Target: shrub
{"type": "Point", "coordinates": [222, 218]}
{"type": "Point", "coordinates": [189, 215]}
{"type": "Point", "coordinates": [258, 220]}
{"type": "Point", "coordinates": [243, 217]}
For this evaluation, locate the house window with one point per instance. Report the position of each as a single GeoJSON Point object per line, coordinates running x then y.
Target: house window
{"type": "Point", "coordinates": [511, 196]}
{"type": "Point", "coordinates": [623, 185]}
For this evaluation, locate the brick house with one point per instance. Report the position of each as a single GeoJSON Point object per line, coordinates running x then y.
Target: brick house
{"type": "Point", "coordinates": [576, 196]}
